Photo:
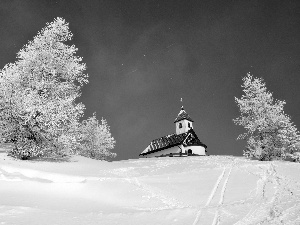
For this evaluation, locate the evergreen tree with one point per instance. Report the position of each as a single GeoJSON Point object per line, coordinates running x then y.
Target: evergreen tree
{"type": "Point", "coordinates": [270, 132]}
{"type": "Point", "coordinates": [96, 140]}
{"type": "Point", "coordinates": [38, 113]}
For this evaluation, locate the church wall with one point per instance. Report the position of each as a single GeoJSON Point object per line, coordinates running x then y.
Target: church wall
{"type": "Point", "coordinates": [199, 150]}
{"type": "Point", "coordinates": [167, 151]}
{"type": "Point", "coordinates": [185, 126]}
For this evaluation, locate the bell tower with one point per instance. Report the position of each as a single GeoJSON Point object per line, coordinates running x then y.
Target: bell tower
{"type": "Point", "coordinates": [183, 122]}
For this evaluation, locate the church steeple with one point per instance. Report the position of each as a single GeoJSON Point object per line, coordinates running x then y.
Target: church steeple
{"type": "Point", "coordinates": [183, 122]}
{"type": "Point", "coordinates": [184, 142]}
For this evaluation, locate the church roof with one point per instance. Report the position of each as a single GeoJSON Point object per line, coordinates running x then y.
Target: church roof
{"type": "Point", "coordinates": [183, 116]}
{"type": "Point", "coordinates": [173, 140]}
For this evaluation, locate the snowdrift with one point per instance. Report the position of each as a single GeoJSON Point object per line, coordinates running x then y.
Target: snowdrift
{"type": "Point", "coordinates": [187, 190]}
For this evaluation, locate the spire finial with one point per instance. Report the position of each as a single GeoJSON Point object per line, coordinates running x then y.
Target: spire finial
{"type": "Point", "coordinates": [181, 102]}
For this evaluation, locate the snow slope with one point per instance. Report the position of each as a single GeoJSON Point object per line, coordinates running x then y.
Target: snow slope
{"type": "Point", "coordinates": [188, 190]}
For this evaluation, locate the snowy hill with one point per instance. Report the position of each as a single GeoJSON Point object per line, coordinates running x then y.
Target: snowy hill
{"type": "Point", "coordinates": [189, 190]}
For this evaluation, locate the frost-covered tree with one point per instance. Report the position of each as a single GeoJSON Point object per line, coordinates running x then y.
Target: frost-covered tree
{"type": "Point", "coordinates": [38, 112]}
{"type": "Point", "coordinates": [270, 132]}
{"type": "Point", "coordinates": [95, 138]}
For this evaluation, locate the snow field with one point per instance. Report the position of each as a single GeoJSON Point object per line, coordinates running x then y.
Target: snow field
{"type": "Point", "coordinates": [191, 190]}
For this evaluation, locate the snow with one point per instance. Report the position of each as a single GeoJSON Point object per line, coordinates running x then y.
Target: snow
{"type": "Point", "coordinates": [188, 190]}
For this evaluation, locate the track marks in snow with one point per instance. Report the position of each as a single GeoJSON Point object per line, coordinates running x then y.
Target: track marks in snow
{"type": "Point", "coordinates": [216, 220]}
{"type": "Point", "coordinates": [212, 194]}
{"type": "Point", "coordinates": [259, 205]}
{"type": "Point", "coordinates": [224, 186]}
{"type": "Point", "coordinates": [281, 207]}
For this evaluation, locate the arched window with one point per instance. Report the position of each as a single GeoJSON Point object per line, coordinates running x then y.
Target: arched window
{"type": "Point", "coordinates": [180, 125]}
{"type": "Point", "coordinates": [189, 125]}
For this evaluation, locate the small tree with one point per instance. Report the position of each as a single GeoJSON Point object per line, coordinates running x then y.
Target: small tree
{"type": "Point", "coordinates": [270, 133]}
{"type": "Point", "coordinates": [96, 140]}
{"type": "Point", "coordinates": [38, 113]}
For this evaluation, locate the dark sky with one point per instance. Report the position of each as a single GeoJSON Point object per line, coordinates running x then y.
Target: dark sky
{"type": "Point", "coordinates": [143, 56]}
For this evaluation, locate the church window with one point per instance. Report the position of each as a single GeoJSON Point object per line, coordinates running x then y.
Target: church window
{"type": "Point", "coordinates": [180, 125]}
{"type": "Point", "coordinates": [189, 125]}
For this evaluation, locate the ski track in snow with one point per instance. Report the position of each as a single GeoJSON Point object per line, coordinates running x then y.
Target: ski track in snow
{"type": "Point", "coordinates": [263, 211]}
{"type": "Point", "coordinates": [216, 220]}
{"type": "Point", "coordinates": [212, 194]}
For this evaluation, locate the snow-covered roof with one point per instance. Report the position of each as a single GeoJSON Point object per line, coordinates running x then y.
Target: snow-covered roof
{"type": "Point", "coordinates": [171, 140]}
{"type": "Point", "coordinates": [183, 116]}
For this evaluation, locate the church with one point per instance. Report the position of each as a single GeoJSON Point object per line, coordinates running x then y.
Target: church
{"type": "Point", "coordinates": [184, 142]}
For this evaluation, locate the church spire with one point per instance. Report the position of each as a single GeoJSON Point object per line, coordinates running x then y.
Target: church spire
{"type": "Point", "coordinates": [183, 116]}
